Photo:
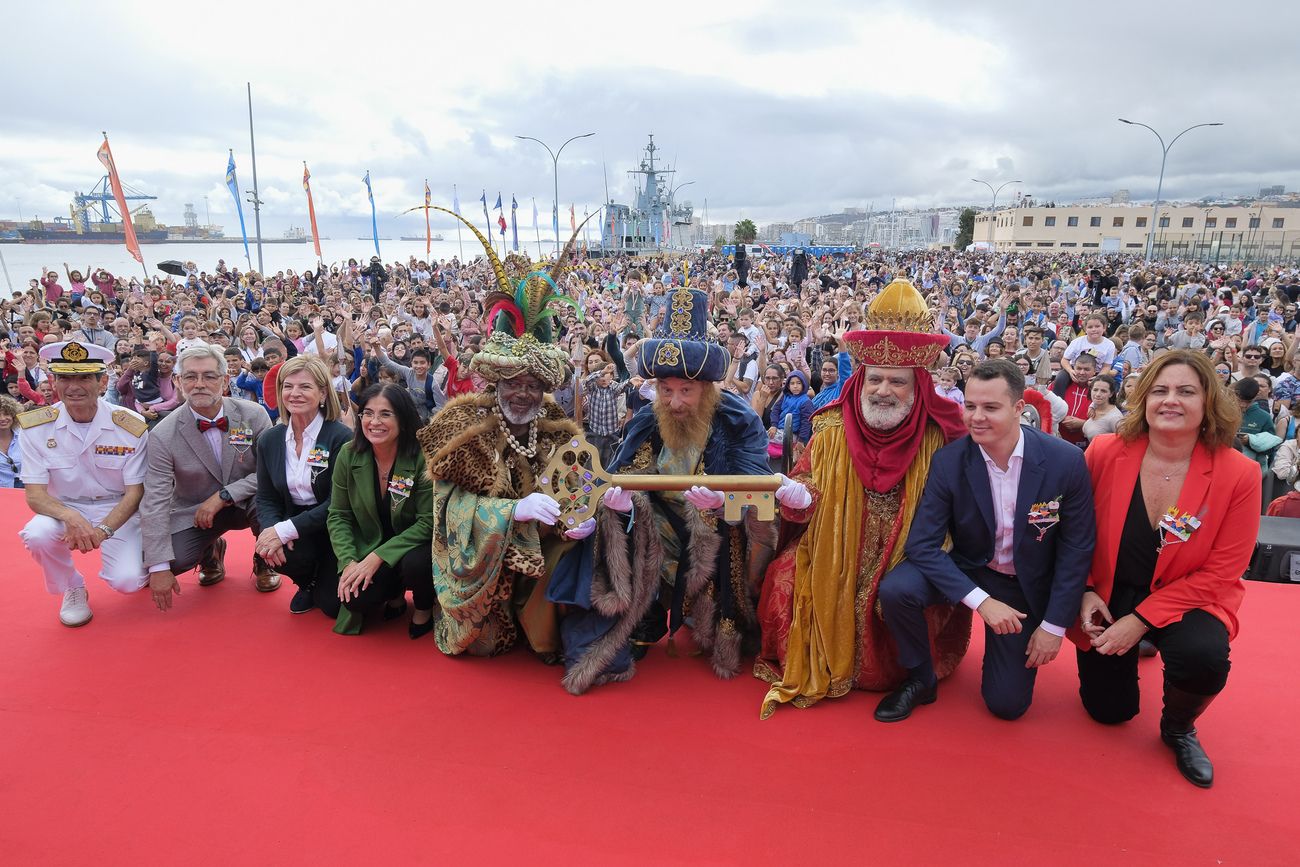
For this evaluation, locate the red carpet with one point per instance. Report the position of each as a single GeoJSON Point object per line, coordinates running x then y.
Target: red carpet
{"type": "Point", "coordinates": [229, 732]}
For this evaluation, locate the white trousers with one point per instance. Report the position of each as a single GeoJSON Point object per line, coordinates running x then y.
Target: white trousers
{"type": "Point", "coordinates": [122, 566]}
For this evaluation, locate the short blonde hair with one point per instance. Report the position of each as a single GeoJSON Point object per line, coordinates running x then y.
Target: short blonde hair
{"type": "Point", "coordinates": [10, 407]}
{"type": "Point", "coordinates": [1222, 414]}
{"type": "Point", "coordinates": [320, 374]}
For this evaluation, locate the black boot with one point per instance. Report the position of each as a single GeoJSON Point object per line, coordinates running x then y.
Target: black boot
{"type": "Point", "coordinates": [1178, 730]}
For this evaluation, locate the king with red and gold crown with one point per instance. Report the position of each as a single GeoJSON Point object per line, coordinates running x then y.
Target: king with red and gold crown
{"type": "Point", "coordinates": [866, 466]}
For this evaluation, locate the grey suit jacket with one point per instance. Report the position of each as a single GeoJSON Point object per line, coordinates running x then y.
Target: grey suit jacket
{"type": "Point", "coordinates": [183, 472]}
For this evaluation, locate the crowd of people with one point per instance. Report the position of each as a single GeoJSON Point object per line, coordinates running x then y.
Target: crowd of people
{"type": "Point", "coordinates": [384, 429]}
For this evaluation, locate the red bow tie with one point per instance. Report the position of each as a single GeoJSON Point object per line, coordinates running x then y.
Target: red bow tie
{"type": "Point", "coordinates": [219, 424]}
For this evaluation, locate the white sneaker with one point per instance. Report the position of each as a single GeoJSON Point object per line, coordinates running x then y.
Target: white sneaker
{"type": "Point", "coordinates": [76, 608]}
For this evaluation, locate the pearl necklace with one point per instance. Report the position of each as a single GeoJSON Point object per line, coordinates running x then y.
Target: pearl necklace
{"type": "Point", "coordinates": [529, 452]}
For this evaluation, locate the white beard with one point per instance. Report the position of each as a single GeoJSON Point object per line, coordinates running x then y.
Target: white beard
{"type": "Point", "coordinates": [513, 417]}
{"type": "Point", "coordinates": [885, 417]}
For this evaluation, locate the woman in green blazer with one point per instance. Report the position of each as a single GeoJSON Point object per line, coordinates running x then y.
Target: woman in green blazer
{"type": "Point", "coordinates": [381, 515]}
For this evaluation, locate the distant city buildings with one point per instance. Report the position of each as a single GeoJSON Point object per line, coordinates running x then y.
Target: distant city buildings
{"type": "Point", "coordinates": [1256, 231]}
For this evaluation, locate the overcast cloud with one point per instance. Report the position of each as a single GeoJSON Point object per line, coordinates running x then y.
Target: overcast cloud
{"type": "Point", "coordinates": [779, 111]}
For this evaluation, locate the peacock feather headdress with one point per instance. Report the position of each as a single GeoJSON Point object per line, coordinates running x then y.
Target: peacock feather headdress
{"type": "Point", "coordinates": [520, 319]}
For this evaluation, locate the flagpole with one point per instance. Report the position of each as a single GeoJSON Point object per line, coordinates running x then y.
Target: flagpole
{"type": "Point", "coordinates": [537, 231]}
{"type": "Point", "coordinates": [6, 270]}
{"type": "Point", "coordinates": [428, 232]}
{"type": "Point", "coordinates": [257, 201]}
{"type": "Point", "coordinates": [456, 198]}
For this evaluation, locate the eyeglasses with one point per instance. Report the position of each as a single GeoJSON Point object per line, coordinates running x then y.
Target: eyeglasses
{"type": "Point", "coordinates": [208, 378]}
{"type": "Point", "coordinates": [1253, 357]}
{"type": "Point", "coordinates": [382, 415]}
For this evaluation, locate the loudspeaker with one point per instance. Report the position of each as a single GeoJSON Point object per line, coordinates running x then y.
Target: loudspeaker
{"type": "Point", "coordinates": [1277, 553]}
{"type": "Point", "coordinates": [742, 264]}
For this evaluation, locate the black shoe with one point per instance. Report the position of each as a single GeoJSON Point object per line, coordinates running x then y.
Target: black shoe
{"type": "Point", "coordinates": [1178, 731]}
{"type": "Point", "coordinates": [392, 612]}
{"type": "Point", "coordinates": [1190, 757]}
{"type": "Point", "coordinates": [900, 703]}
{"type": "Point", "coordinates": [419, 630]}
{"type": "Point", "coordinates": [302, 601]}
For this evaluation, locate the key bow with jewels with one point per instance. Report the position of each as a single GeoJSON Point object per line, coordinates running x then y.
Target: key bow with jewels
{"type": "Point", "coordinates": [575, 479]}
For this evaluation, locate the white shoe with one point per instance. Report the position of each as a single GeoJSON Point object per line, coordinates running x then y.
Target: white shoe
{"type": "Point", "coordinates": [76, 608]}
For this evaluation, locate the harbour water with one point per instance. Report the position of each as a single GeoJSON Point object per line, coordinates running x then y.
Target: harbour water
{"type": "Point", "coordinates": [24, 261]}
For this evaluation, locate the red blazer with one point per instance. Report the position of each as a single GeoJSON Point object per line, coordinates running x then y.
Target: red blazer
{"type": "Point", "coordinates": [1222, 488]}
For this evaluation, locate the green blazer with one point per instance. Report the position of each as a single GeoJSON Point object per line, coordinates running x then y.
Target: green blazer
{"type": "Point", "coordinates": [353, 520]}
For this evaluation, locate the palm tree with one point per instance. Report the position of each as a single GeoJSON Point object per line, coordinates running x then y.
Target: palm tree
{"type": "Point", "coordinates": [745, 232]}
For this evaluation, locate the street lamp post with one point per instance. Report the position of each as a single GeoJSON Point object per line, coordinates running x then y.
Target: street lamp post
{"type": "Point", "coordinates": [1164, 155]}
{"type": "Point", "coordinates": [1205, 226]}
{"type": "Point", "coordinates": [993, 208]}
{"type": "Point", "coordinates": [555, 170]}
{"type": "Point", "coordinates": [671, 199]}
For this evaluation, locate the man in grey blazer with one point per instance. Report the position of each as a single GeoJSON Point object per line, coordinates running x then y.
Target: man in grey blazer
{"type": "Point", "coordinates": [201, 479]}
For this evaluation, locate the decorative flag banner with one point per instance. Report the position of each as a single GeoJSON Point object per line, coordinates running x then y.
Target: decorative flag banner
{"type": "Point", "coordinates": [487, 219]}
{"type": "Point", "coordinates": [239, 205]}
{"type": "Point", "coordinates": [573, 220]}
{"type": "Point", "coordinates": [428, 230]}
{"type": "Point", "coordinates": [374, 221]}
{"type": "Point", "coordinates": [612, 232]}
{"type": "Point", "coordinates": [501, 222]}
{"type": "Point", "coordinates": [668, 230]}
{"type": "Point", "coordinates": [128, 228]}
{"type": "Point", "coordinates": [455, 200]}
{"type": "Point", "coordinates": [311, 208]}
{"type": "Point", "coordinates": [514, 223]}
{"type": "Point", "coordinates": [586, 233]}
{"type": "Point", "coordinates": [537, 232]}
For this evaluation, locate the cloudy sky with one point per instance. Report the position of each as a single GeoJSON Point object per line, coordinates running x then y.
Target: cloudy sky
{"type": "Point", "coordinates": [779, 111]}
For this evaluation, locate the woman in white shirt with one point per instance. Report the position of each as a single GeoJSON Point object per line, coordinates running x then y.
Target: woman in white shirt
{"type": "Point", "coordinates": [295, 464]}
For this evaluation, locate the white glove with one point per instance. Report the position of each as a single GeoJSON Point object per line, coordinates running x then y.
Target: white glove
{"type": "Point", "coordinates": [537, 507]}
{"type": "Point", "coordinates": [581, 531]}
{"type": "Point", "coordinates": [617, 499]}
{"type": "Point", "coordinates": [702, 498]}
{"type": "Point", "coordinates": [793, 494]}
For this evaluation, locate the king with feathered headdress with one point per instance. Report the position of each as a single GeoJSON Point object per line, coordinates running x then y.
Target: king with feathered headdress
{"type": "Point", "coordinates": [493, 545]}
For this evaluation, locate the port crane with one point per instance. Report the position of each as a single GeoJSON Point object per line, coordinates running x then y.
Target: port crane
{"type": "Point", "coordinates": [100, 204]}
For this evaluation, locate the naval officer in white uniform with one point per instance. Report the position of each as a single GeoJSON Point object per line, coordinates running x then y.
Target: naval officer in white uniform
{"type": "Point", "coordinates": [84, 471]}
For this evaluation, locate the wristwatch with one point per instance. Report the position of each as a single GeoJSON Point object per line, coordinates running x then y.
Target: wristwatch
{"type": "Point", "coordinates": [105, 529]}
{"type": "Point", "coordinates": [225, 496]}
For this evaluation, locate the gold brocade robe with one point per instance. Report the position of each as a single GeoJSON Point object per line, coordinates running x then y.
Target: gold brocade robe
{"type": "Point", "coordinates": [822, 631]}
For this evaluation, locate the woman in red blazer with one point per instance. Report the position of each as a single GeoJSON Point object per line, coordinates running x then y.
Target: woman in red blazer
{"type": "Point", "coordinates": [1177, 520]}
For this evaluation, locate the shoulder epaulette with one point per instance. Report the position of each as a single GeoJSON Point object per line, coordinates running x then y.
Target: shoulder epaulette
{"type": "Point", "coordinates": [130, 422]}
{"type": "Point", "coordinates": [36, 417]}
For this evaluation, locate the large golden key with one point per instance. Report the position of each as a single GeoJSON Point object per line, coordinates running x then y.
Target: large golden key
{"type": "Point", "coordinates": [576, 480]}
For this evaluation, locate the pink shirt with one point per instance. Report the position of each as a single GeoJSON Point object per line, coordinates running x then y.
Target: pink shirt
{"type": "Point", "coordinates": [1005, 487]}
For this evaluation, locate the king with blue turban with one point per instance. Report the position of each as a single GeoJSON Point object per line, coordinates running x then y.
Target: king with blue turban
{"type": "Point", "coordinates": [663, 559]}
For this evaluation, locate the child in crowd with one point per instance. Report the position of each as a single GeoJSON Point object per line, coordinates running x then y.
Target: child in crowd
{"type": "Point", "coordinates": [946, 385]}
{"type": "Point", "coordinates": [251, 382]}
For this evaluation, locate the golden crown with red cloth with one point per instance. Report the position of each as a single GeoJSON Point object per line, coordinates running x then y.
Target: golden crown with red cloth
{"type": "Point", "coordinates": [900, 331]}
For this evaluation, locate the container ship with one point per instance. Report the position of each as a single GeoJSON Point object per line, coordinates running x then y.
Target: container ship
{"type": "Point", "coordinates": [94, 219]}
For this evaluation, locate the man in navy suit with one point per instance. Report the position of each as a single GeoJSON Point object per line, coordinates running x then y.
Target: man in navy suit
{"type": "Point", "coordinates": [1018, 506]}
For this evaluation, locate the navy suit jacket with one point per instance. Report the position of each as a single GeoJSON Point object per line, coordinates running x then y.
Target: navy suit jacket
{"type": "Point", "coordinates": [274, 502]}
{"type": "Point", "coordinates": [958, 501]}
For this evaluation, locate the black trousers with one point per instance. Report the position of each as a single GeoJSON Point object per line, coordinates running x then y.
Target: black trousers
{"type": "Point", "coordinates": [1006, 685]}
{"type": "Point", "coordinates": [191, 545]}
{"type": "Point", "coordinates": [413, 572]}
{"type": "Point", "coordinates": [1193, 649]}
{"type": "Point", "coordinates": [311, 563]}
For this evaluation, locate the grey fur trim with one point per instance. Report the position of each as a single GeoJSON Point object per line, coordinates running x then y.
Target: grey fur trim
{"type": "Point", "coordinates": [726, 653]}
{"type": "Point", "coordinates": [626, 594]}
